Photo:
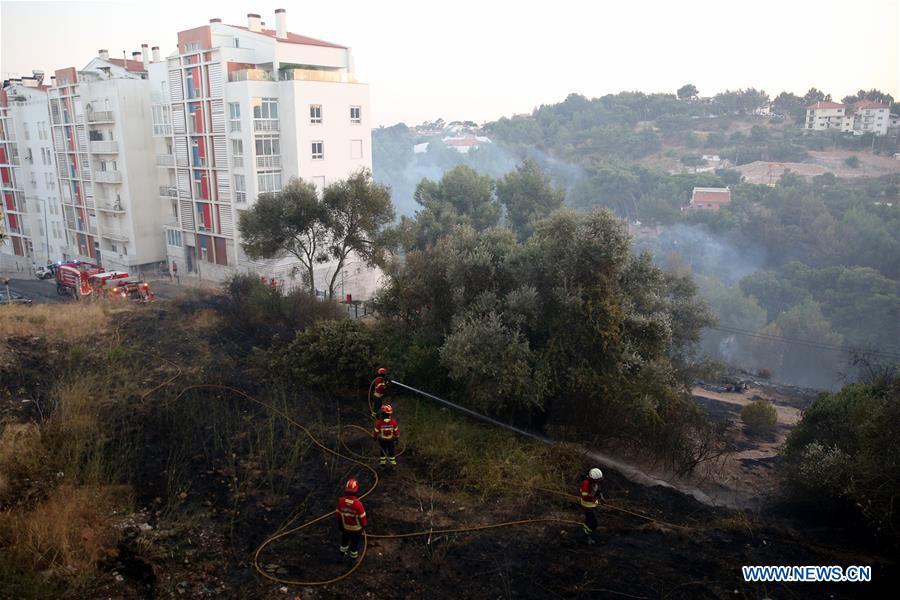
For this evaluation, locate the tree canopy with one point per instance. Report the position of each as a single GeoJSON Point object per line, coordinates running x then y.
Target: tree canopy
{"type": "Point", "coordinates": [350, 217]}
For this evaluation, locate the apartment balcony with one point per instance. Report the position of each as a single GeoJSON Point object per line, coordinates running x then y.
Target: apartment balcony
{"type": "Point", "coordinates": [234, 126]}
{"type": "Point", "coordinates": [251, 75]}
{"type": "Point", "coordinates": [108, 176]}
{"type": "Point", "coordinates": [114, 235]}
{"type": "Point", "coordinates": [168, 191]}
{"type": "Point", "coordinates": [237, 161]}
{"type": "Point", "coordinates": [265, 125]}
{"type": "Point", "coordinates": [100, 116]}
{"type": "Point", "coordinates": [316, 75]}
{"type": "Point", "coordinates": [11, 160]}
{"type": "Point", "coordinates": [165, 160]}
{"type": "Point", "coordinates": [268, 162]}
{"type": "Point", "coordinates": [110, 208]}
{"type": "Point", "coordinates": [104, 147]}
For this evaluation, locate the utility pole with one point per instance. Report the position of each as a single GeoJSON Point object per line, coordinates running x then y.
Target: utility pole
{"type": "Point", "coordinates": [8, 295]}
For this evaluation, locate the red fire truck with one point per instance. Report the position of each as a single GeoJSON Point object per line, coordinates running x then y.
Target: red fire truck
{"type": "Point", "coordinates": [74, 278]}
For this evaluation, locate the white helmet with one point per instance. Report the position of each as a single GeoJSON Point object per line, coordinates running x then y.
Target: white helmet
{"type": "Point", "coordinates": [595, 474]}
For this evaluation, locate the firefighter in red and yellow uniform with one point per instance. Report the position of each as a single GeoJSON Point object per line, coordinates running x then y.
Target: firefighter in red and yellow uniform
{"type": "Point", "coordinates": [387, 432]}
{"type": "Point", "coordinates": [352, 520]}
{"type": "Point", "coordinates": [590, 496]}
{"type": "Point", "coordinates": [379, 389]}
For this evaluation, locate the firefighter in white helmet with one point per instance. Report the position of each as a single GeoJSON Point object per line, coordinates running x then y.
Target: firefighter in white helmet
{"type": "Point", "coordinates": [590, 496]}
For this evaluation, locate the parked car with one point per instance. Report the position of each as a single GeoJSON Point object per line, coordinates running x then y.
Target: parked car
{"type": "Point", "coordinates": [13, 298]}
{"type": "Point", "coordinates": [44, 272]}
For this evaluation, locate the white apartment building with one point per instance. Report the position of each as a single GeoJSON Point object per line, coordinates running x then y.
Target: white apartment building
{"type": "Point", "coordinates": [823, 116]}
{"type": "Point", "coordinates": [31, 213]}
{"type": "Point", "coordinates": [871, 117]}
{"type": "Point", "coordinates": [102, 134]}
{"type": "Point", "coordinates": [239, 110]}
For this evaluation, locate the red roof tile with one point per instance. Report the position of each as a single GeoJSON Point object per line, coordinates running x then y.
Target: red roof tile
{"type": "Point", "coordinates": [824, 105]}
{"type": "Point", "coordinates": [293, 38]}
{"type": "Point", "coordinates": [134, 66]}
{"type": "Point", "coordinates": [711, 196]}
{"type": "Point", "coordinates": [869, 104]}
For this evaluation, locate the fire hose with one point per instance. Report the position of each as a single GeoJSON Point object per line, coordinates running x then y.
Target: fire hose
{"type": "Point", "coordinates": [350, 456]}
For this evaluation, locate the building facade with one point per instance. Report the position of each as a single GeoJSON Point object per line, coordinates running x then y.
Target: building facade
{"type": "Point", "coordinates": [871, 117]}
{"type": "Point", "coordinates": [240, 110]}
{"type": "Point", "coordinates": [31, 212]}
{"type": "Point", "coordinates": [825, 116]}
{"type": "Point", "coordinates": [858, 118]}
{"type": "Point", "coordinates": [105, 160]}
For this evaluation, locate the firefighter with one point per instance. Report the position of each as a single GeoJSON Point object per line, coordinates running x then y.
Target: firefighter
{"type": "Point", "coordinates": [379, 389]}
{"type": "Point", "coordinates": [352, 520]}
{"type": "Point", "coordinates": [387, 432]}
{"type": "Point", "coordinates": [590, 497]}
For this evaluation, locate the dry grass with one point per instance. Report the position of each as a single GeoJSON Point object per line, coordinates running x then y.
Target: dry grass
{"type": "Point", "coordinates": [21, 452]}
{"type": "Point", "coordinates": [60, 322]}
{"type": "Point", "coordinates": [73, 529]}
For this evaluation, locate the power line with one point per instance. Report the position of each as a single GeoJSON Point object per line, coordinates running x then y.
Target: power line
{"type": "Point", "coordinates": [796, 341]}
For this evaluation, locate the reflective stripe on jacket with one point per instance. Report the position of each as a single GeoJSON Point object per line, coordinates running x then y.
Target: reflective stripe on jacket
{"type": "Point", "coordinates": [386, 429]}
{"type": "Point", "coordinates": [351, 513]}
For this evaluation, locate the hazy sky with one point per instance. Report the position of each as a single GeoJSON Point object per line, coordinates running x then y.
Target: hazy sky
{"type": "Point", "coordinates": [484, 59]}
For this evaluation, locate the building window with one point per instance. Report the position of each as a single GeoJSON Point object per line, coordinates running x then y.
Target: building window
{"type": "Point", "coordinates": [25, 127]}
{"type": "Point", "coordinates": [356, 114]}
{"type": "Point", "coordinates": [162, 122]}
{"type": "Point", "coordinates": [318, 150]}
{"type": "Point", "coordinates": [315, 114]}
{"type": "Point", "coordinates": [240, 189]}
{"type": "Point", "coordinates": [192, 47]}
{"type": "Point", "coordinates": [173, 237]}
{"type": "Point", "coordinates": [268, 152]}
{"type": "Point", "coordinates": [268, 182]}
{"type": "Point", "coordinates": [266, 108]}
{"type": "Point", "coordinates": [237, 153]}
{"type": "Point", "coordinates": [356, 149]}
{"type": "Point", "coordinates": [234, 115]}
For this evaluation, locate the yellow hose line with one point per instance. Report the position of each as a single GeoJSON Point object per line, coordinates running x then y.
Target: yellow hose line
{"type": "Point", "coordinates": [362, 554]}
{"type": "Point", "coordinates": [473, 528]}
{"type": "Point", "coordinates": [606, 505]}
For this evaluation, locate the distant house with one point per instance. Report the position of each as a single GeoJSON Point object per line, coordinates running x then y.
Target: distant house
{"type": "Point", "coordinates": [420, 148]}
{"type": "Point", "coordinates": [871, 117]}
{"type": "Point", "coordinates": [463, 144]}
{"type": "Point", "coordinates": [704, 198]}
{"type": "Point", "coordinates": [823, 116]}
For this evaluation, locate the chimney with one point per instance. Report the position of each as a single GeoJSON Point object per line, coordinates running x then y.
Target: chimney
{"type": "Point", "coordinates": [254, 22]}
{"type": "Point", "coordinates": [104, 54]}
{"type": "Point", "coordinates": [145, 55]}
{"type": "Point", "coordinates": [155, 54]}
{"type": "Point", "coordinates": [38, 75]}
{"type": "Point", "coordinates": [136, 56]}
{"type": "Point", "coordinates": [280, 23]}
{"type": "Point", "coordinates": [215, 20]}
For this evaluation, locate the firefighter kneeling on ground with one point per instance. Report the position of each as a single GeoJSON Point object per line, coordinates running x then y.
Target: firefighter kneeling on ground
{"type": "Point", "coordinates": [387, 432]}
{"type": "Point", "coordinates": [379, 390]}
{"type": "Point", "coordinates": [352, 520]}
{"type": "Point", "coordinates": [590, 497]}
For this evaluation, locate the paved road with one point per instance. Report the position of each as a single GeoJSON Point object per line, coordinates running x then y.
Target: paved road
{"type": "Point", "coordinates": [41, 292]}
{"type": "Point", "coordinates": [44, 291]}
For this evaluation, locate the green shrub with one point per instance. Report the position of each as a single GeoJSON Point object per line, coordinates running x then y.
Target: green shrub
{"type": "Point", "coordinates": [331, 355]}
{"type": "Point", "coordinates": [846, 448]}
{"type": "Point", "coordinates": [852, 162]}
{"type": "Point", "coordinates": [255, 312]}
{"type": "Point", "coordinates": [759, 416]}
